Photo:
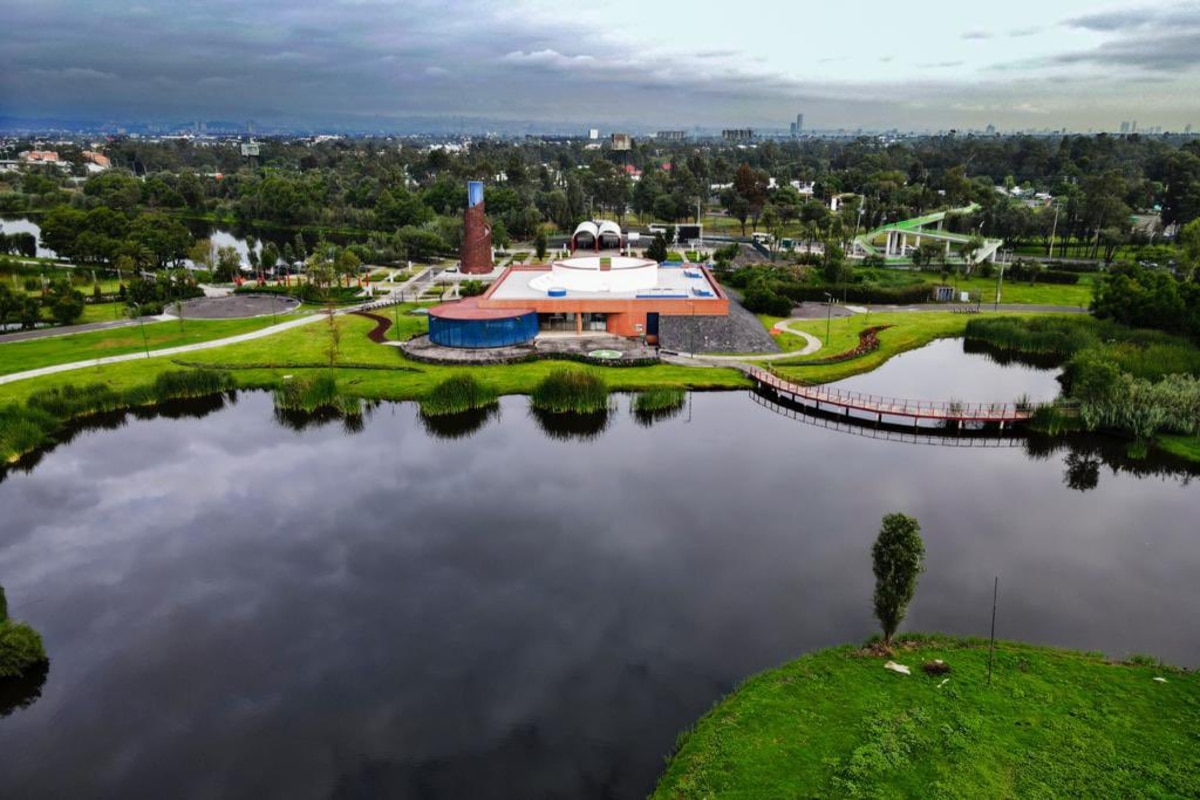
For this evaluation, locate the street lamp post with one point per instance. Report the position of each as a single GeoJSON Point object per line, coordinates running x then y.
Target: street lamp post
{"type": "Point", "coordinates": [999, 280]}
{"type": "Point", "coordinates": [828, 316]}
{"type": "Point", "coordinates": [692, 331]}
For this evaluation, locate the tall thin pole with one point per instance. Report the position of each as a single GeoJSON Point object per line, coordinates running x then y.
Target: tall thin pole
{"type": "Point", "coordinates": [828, 317]}
{"type": "Point", "coordinates": [992, 642]}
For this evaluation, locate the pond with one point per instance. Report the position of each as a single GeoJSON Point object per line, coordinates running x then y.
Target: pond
{"type": "Point", "coordinates": [220, 236]}
{"type": "Point", "coordinates": [240, 604]}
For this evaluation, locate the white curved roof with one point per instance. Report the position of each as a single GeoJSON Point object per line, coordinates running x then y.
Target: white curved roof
{"type": "Point", "coordinates": [608, 226]}
{"type": "Point", "coordinates": [586, 227]}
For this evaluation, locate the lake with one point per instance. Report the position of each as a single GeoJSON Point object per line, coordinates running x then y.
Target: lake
{"type": "Point", "coordinates": [240, 605]}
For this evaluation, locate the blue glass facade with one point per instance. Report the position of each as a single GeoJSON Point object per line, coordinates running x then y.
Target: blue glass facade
{"type": "Point", "coordinates": [483, 332]}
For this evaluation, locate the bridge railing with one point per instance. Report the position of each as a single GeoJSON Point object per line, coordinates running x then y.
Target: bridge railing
{"type": "Point", "coordinates": [879, 404]}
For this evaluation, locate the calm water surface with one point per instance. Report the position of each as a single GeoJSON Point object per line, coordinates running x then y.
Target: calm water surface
{"type": "Point", "coordinates": [238, 609]}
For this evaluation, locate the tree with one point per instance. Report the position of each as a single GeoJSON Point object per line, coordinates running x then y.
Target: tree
{"type": "Point", "coordinates": [1189, 241]}
{"type": "Point", "coordinates": [657, 251]}
{"type": "Point", "coordinates": [897, 558]}
{"type": "Point", "coordinates": [541, 245]}
{"type": "Point", "coordinates": [229, 263]}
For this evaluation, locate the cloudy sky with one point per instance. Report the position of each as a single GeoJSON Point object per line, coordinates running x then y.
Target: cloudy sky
{"type": "Point", "coordinates": [1020, 63]}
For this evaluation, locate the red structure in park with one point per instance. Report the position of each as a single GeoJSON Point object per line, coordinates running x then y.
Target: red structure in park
{"type": "Point", "coordinates": [477, 234]}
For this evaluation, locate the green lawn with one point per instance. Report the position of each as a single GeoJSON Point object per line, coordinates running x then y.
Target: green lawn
{"type": "Point", "coordinates": [364, 369]}
{"type": "Point", "coordinates": [1079, 295]}
{"type": "Point", "coordinates": [909, 331]}
{"type": "Point", "coordinates": [21, 356]}
{"type": "Point", "coordinates": [1052, 724]}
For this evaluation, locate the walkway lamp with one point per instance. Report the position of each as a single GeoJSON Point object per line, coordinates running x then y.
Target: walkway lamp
{"type": "Point", "coordinates": [828, 316]}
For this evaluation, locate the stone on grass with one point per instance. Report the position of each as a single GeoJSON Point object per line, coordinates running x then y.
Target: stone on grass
{"type": "Point", "coordinates": [894, 667]}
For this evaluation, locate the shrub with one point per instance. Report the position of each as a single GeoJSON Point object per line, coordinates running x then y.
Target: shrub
{"type": "Point", "coordinates": [570, 390]}
{"type": "Point", "coordinates": [21, 649]}
{"type": "Point", "coordinates": [760, 299]}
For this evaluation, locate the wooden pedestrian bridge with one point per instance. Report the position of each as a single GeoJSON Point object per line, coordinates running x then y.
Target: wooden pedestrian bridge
{"type": "Point", "coordinates": [952, 414]}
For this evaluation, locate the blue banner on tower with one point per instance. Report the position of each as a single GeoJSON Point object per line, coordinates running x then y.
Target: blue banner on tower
{"type": "Point", "coordinates": [474, 193]}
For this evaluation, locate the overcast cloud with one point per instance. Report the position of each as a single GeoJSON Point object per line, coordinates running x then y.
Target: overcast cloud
{"type": "Point", "coordinates": [669, 65]}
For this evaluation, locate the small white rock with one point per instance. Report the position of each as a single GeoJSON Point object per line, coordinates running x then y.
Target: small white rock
{"type": "Point", "coordinates": [894, 667]}
{"type": "Point", "coordinates": [1160, 680]}
{"type": "Point", "coordinates": [944, 682]}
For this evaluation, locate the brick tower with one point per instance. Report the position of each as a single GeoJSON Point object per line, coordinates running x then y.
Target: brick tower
{"type": "Point", "coordinates": [477, 234]}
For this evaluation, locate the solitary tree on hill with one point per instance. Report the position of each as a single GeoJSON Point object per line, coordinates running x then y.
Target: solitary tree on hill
{"type": "Point", "coordinates": [898, 558]}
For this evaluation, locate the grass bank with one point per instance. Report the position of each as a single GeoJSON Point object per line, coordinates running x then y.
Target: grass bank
{"type": "Point", "coordinates": [69, 347]}
{"type": "Point", "coordinates": [362, 370]}
{"type": "Point", "coordinates": [1054, 723]}
{"type": "Point", "coordinates": [906, 331]}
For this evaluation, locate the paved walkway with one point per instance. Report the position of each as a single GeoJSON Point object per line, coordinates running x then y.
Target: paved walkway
{"type": "Point", "coordinates": [48, 333]}
{"type": "Point", "coordinates": [166, 352]}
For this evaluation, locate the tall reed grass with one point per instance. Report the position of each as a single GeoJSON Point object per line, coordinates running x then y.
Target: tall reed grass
{"type": "Point", "coordinates": [457, 394]}
{"type": "Point", "coordinates": [566, 391]}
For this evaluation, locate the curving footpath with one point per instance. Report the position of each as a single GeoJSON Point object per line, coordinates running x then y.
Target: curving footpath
{"type": "Point", "coordinates": [169, 351]}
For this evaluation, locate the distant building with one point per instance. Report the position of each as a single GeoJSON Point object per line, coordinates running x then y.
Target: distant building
{"type": "Point", "coordinates": [1125, 127]}
{"type": "Point", "coordinates": [737, 134]}
{"type": "Point", "coordinates": [1187, 129]}
{"type": "Point", "coordinates": [621, 141]}
{"type": "Point", "coordinates": [593, 133]}
{"type": "Point", "coordinates": [250, 149]}
{"type": "Point", "coordinates": [671, 136]}
{"type": "Point", "coordinates": [39, 157]}
{"type": "Point", "coordinates": [799, 124]}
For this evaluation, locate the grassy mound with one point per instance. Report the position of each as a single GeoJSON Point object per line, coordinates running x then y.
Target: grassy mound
{"type": "Point", "coordinates": [570, 390]}
{"type": "Point", "coordinates": [1053, 723]}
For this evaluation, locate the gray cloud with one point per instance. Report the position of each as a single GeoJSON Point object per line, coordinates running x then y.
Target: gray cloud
{"type": "Point", "coordinates": [305, 60]}
{"type": "Point", "coordinates": [1113, 20]}
{"type": "Point", "coordinates": [977, 35]}
{"type": "Point", "coordinates": [1155, 39]}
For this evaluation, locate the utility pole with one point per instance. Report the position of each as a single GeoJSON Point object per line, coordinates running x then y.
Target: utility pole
{"type": "Point", "coordinates": [828, 316]}
{"type": "Point", "coordinates": [992, 642]}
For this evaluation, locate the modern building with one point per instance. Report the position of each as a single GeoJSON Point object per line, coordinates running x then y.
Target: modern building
{"type": "Point", "coordinates": [621, 141]}
{"type": "Point", "coordinates": [797, 127]}
{"type": "Point", "coordinates": [671, 136]}
{"type": "Point", "coordinates": [737, 134]}
{"type": "Point", "coordinates": [603, 291]}
{"type": "Point", "coordinates": [477, 234]}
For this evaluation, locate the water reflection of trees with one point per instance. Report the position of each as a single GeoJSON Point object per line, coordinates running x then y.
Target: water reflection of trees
{"type": "Point", "coordinates": [461, 425]}
{"type": "Point", "coordinates": [572, 427]}
{"type": "Point", "coordinates": [22, 692]}
{"type": "Point", "coordinates": [193, 408]}
{"type": "Point", "coordinates": [1085, 454]}
{"type": "Point", "coordinates": [1006, 358]}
